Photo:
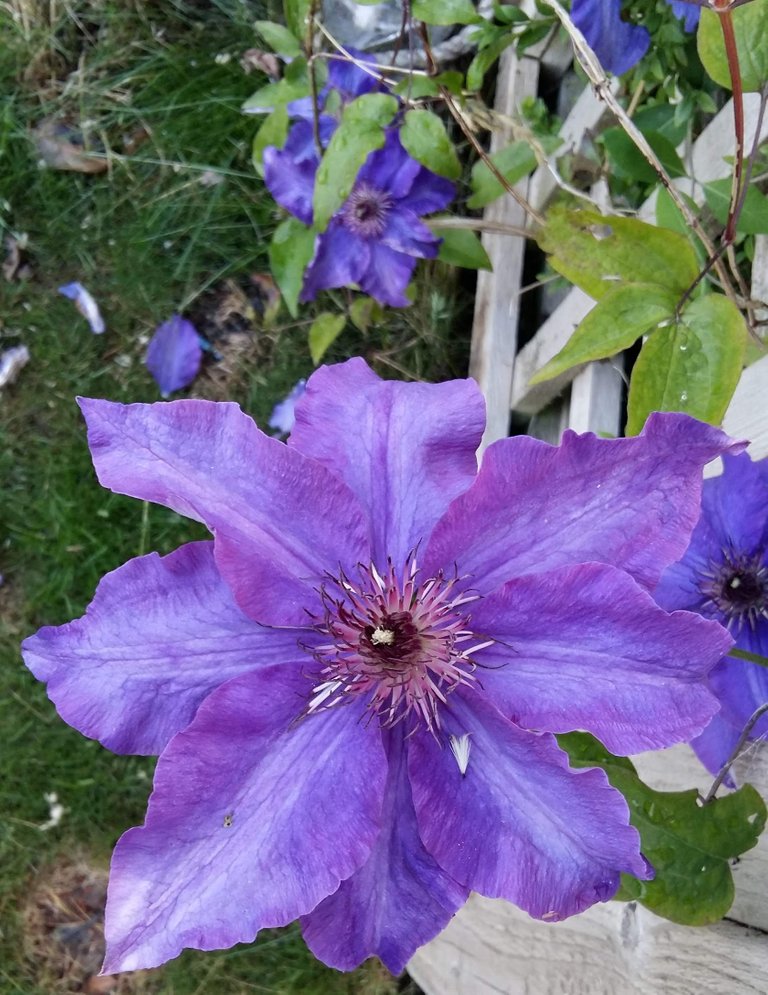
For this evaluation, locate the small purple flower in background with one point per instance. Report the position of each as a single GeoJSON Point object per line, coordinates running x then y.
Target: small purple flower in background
{"type": "Point", "coordinates": [376, 236]}
{"type": "Point", "coordinates": [617, 43]}
{"type": "Point", "coordinates": [174, 354]}
{"type": "Point", "coordinates": [355, 685]}
{"type": "Point", "coordinates": [283, 416]}
{"type": "Point", "coordinates": [86, 305]}
{"type": "Point", "coordinates": [724, 576]}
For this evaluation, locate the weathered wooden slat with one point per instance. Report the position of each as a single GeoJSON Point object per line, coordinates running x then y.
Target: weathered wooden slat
{"type": "Point", "coordinates": [492, 948]}
{"type": "Point", "coordinates": [497, 300]}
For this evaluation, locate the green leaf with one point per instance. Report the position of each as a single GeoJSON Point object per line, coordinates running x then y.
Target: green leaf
{"type": "Point", "coordinates": [462, 247]}
{"type": "Point", "coordinates": [750, 25]}
{"type": "Point", "coordinates": [424, 138]}
{"type": "Point", "coordinates": [691, 366]}
{"type": "Point", "coordinates": [289, 252]}
{"type": "Point", "coordinates": [273, 132]}
{"type": "Point", "coordinates": [445, 11]}
{"type": "Point", "coordinates": [485, 58]}
{"type": "Point", "coordinates": [360, 132]}
{"type": "Point", "coordinates": [414, 87]}
{"type": "Point", "coordinates": [624, 314]}
{"type": "Point", "coordinates": [296, 14]}
{"type": "Point", "coordinates": [364, 311]}
{"type": "Point", "coordinates": [688, 844]}
{"type": "Point", "coordinates": [513, 162]}
{"type": "Point", "coordinates": [629, 162]}
{"type": "Point", "coordinates": [596, 252]}
{"type": "Point", "coordinates": [664, 119]}
{"type": "Point", "coordinates": [323, 332]}
{"type": "Point", "coordinates": [279, 38]}
{"type": "Point", "coordinates": [754, 216]}
{"type": "Point", "coordinates": [273, 95]}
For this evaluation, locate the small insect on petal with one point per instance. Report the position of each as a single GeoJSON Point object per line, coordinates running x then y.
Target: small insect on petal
{"type": "Point", "coordinates": [460, 747]}
{"type": "Point", "coordinates": [85, 304]}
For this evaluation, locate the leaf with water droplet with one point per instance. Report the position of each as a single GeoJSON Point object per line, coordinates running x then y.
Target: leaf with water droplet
{"type": "Point", "coordinates": [360, 132]}
{"type": "Point", "coordinates": [693, 365]}
{"type": "Point", "coordinates": [424, 138]}
{"type": "Point", "coordinates": [689, 845]}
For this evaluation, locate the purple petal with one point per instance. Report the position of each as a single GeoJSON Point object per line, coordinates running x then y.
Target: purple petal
{"type": "Point", "coordinates": [160, 634]}
{"type": "Point", "coordinates": [390, 168]}
{"type": "Point", "coordinates": [398, 900]}
{"type": "Point", "coordinates": [585, 648]}
{"type": "Point", "coordinates": [520, 824]}
{"type": "Point", "coordinates": [735, 504]}
{"type": "Point", "coordinates": [406, 450]}
{"type": "Point", "coordinates": [630, 502]}
{"type": "Point", "coordinates": [291, 183]}
{"type": "Point", "coordinates": [405, 233]}
{"type": "Point", "coordinates": [741, 686]}
{"type": "Point", "coordinates": [340, 260]}
{"type": "Point", "coordinates": [387, 275]}
{"type": "Point", "coordinates": [428, 193]}
{"type": "Point", "coordinates": [253, 820]}
{"type": "Point", "coordinates": [280, 520]}
{"type": "Point", "coordinates": [618, 44]}
{"type": "Point", "coordinates": [283, 416]}
{"type": "Point", "coordinates": [716, 744]}
{"type": "Point", "coordinates": [687, 12]}
{"type": "Point", "coordinates": [174, 354]}
{"type": "Point", "coordinates": [348, 78]}
{"type": "Point", "coordinates": [86, 305]}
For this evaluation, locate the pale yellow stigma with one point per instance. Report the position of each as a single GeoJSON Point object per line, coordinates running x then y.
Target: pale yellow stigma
{"type": "Point", "coordinates": [382, 637]}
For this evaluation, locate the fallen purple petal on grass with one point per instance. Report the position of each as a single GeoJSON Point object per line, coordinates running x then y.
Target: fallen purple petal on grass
{"type": "Point", "coordinates": [724, 576]}
{"type": "Point", "coordinates": [355, 685]}
{"type": "Point", "coordinates": [85, 304]}
{"type": "Point", "coordinates": [283, 416]}
{"type": "Point", "coordinates": [174, 354]}
{"type": "Point", "coordinates": [12, 361]}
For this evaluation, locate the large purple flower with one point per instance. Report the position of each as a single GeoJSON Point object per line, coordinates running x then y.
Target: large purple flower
{"type": "Point", "coordinates": [355, 686]}
{"type": "Point", "coordinates": [619, 44]}
{"type": "Point", "coordinates": [724, 576]}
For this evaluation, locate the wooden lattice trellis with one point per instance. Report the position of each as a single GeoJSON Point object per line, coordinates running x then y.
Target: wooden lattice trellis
{"type": "Point", "coordinates": [613, 949]}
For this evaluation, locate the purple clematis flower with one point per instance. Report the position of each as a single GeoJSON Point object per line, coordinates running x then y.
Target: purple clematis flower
{"type": "Point", "coordinates": [620, 44]}
{"type": "Point", "coordinates": [724, 576]}
{"type": "Point", "coordinates": [355, 686]}
{"type": "Point", "coordinates": [376, 237]}
{"type": "Point", "coordinates": [174, 354]}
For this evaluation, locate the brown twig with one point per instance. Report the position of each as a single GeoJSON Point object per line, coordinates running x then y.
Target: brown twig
{"type": "Point", "coordinates": [723, 772]}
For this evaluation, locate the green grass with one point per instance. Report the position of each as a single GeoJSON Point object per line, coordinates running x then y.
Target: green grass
{"type": "Point", "coordinates": [148, 238]}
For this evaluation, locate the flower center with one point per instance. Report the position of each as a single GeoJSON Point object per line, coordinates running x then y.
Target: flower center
{"type": "Point", "coordinates": [738, 589]}
{"type": "Point", "coordinates": [402, 644]}
{"type": "Point", "coordinates": [366, 209]}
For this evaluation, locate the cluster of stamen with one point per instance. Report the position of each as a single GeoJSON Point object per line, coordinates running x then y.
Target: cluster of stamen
{"type": "Point", "coordinates": [737, 588]}
{"type": "Point", "coordinates": [365, 211]}
{"type": "Point", "coordinates": [400, 644]}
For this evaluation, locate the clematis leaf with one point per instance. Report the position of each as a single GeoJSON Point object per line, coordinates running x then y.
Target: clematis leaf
{"type": "Point", "coordinates": [596, 252]}
{"type": "Point", "coordinates": [273, 132]}
{"type": "Point", "coordinates": [360, 132]}
{"type": "Point", "coordinates": [445, 11]}
{"type": "Point", "coordinates": [750, 25]}
{"type": "Point", "coordinates": [290, 250]}
{"type": "Point", "coordinates": [688, 844]}
{"type": "Point", "coordinates": [513, 162]}
{"type": "Point", "coordinates": [692, 366]}
{"type": "Point", "coordinates": [424, 137]}
{"type": "Point", "coordinates": [461, 247]}
{"type": "Point", "coordinates": [293, 85]}
{"type": "Point", "coordinates": [279, 38]}
{"type": "Point", "coordinates": [623, 315]}
{"type": "Point", "coordinates": [296, 14]}
{"type": "Point", "coordinates": [753, 219]}
{"type": "Point", "coordinates": [323, 332]}
{"type": "Point", "coordinates": [365, 311]}
{"type": "Point", "coordinates": [630, 164]}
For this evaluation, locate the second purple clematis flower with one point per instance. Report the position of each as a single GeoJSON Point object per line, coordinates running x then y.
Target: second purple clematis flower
{"type": "Point", "coordinates": [724, 575]}
{"type": "Point", "coordinates": [355, 686]}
